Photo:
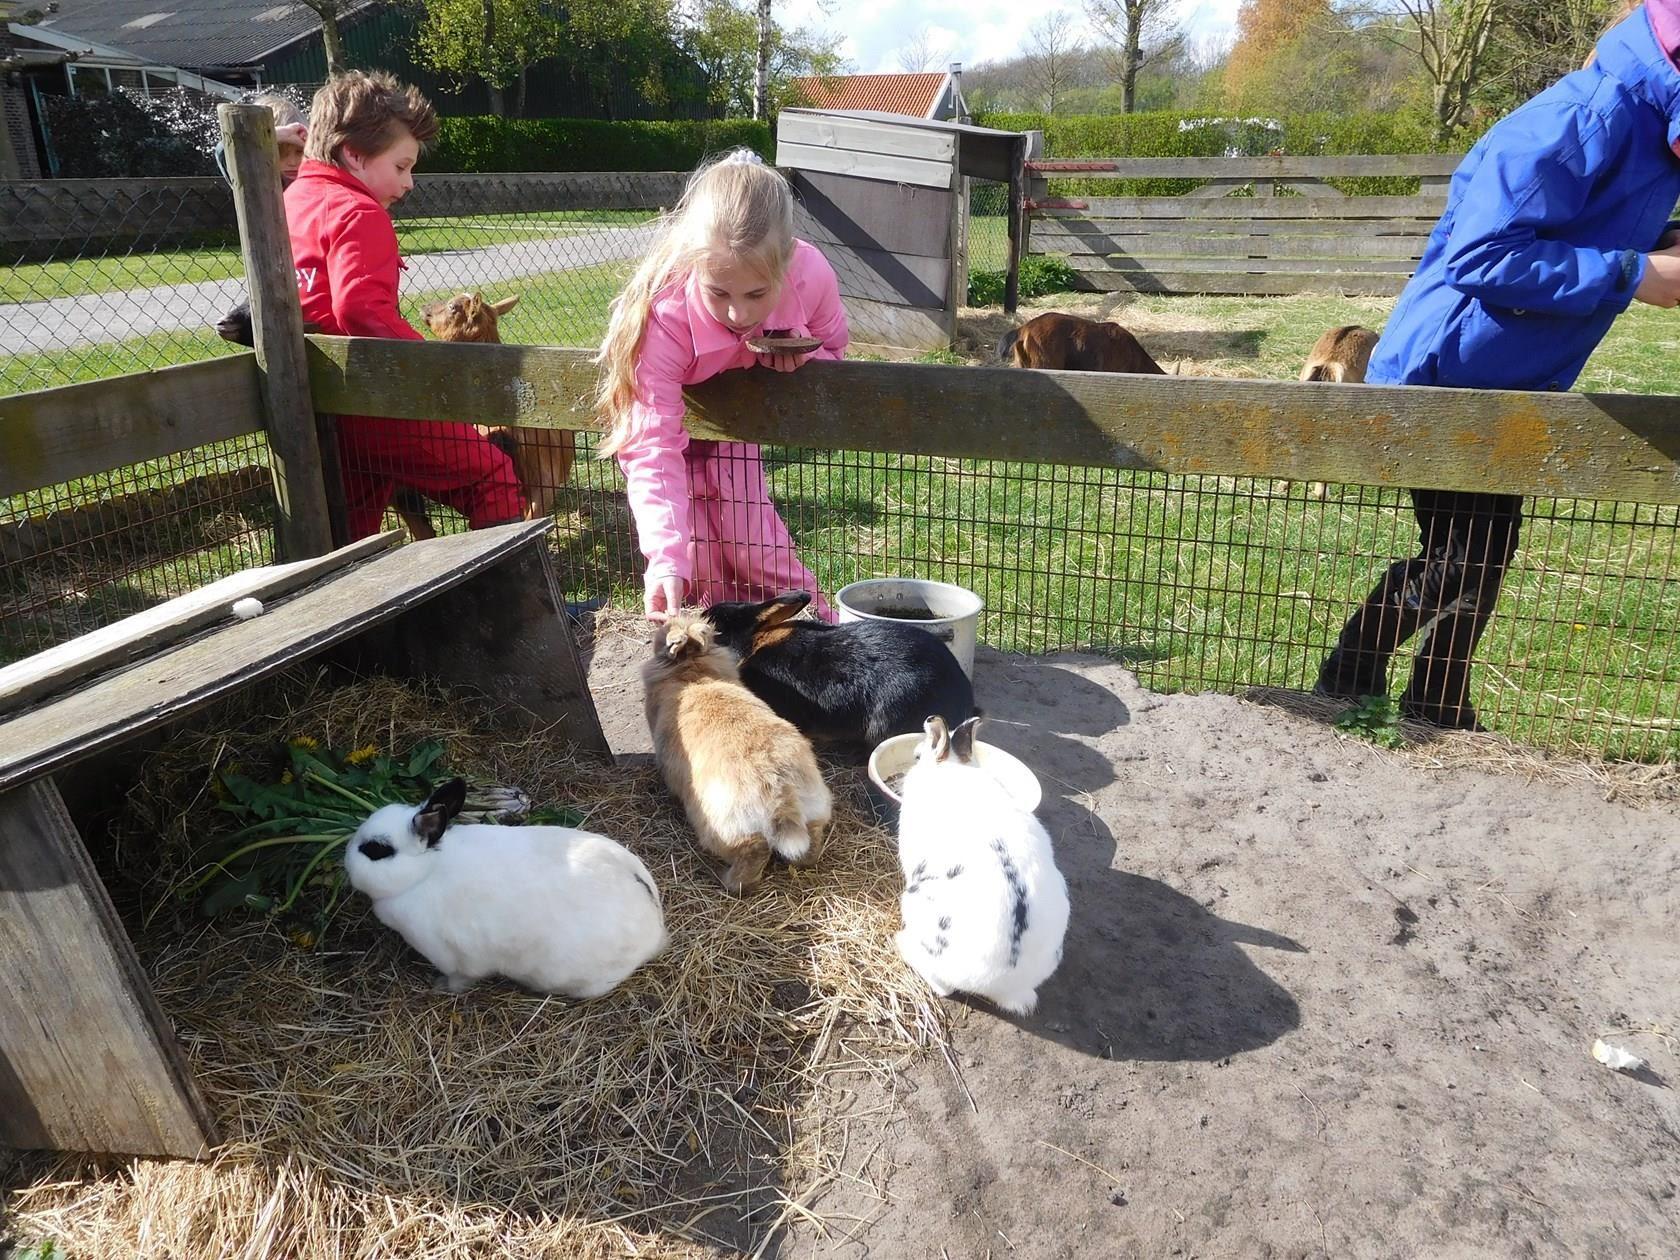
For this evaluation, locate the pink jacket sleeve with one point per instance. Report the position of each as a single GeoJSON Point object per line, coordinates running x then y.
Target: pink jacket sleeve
{"type": "Point", "coordinates": [655, 474]}
{"type": "Point", "coordinates": [827, 316]}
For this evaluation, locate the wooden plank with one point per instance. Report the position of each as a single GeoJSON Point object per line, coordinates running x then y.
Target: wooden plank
{"type": "Point", "coordinates": [920, 172]}
{"type": "Point", "coordinates": [88, 1060]}
{"type": "Point", "coordinates": [901, 279]}
{"type": "Point", "coordinates": [838, 131]}
{"type": "Point", "coordinates": [188, 677]}
{"type": "Point", "coordinates": [899, 327]}
{"type": "Point", "coordinates": [504, 635]}
{"type": "Point", "coordinates": [1419, 229]}
{"type": "Point", "coordinates": [870, 214]}
{"type": "Point", "coordinates": [1596, 446]}
{"type": "Point", "coordinates": [1052, 239]}
{"type": "Point", "coordinates": [301, 524]}
{"type": "Point", "coordinates": [1238, 266]}
{"type": "Point", "coordinates": [68, 664]}
{"type": "Point", "coordinates": [51, 436]}
{"type": "Point", "coordinates": [1257, 208]}
{"type": "Point", "coordinates": [1285, 167]}
{"type": "Point", "coordinates": [442, 196]}
{"type": "Point", "coordinates": [1243, 284]}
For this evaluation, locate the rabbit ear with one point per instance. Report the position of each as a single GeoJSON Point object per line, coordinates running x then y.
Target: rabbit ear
{"type": "Point", "coordinates": [772, 612]}
{"type": "Point", "coordinates": [962, 739]}
{"type": "Point", "coordinates": [441, 806]}
{"type": "Point", "coordinates": [938, 738]}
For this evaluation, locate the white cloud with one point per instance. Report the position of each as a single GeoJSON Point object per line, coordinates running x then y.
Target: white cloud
{"type": "Point", "coordinates": [973, 30]}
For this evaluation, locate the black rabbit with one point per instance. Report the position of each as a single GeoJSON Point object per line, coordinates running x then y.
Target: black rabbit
{"type": "Point", "coordinates": [851, 685]}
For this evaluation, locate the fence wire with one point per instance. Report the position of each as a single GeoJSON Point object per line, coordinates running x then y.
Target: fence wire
{"type": "Point", "coordinates": [1194, 582]}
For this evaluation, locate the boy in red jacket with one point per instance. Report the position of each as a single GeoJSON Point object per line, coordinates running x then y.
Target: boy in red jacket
{"type": "Point", "coordinates": [365, 133]}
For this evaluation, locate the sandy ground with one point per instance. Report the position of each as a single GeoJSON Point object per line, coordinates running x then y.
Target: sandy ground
{"type": "Point", "coordinates": [1317, 1000]}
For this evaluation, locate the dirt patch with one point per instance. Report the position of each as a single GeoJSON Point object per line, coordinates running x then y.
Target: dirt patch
{"type": "Point", "coordinates": [1316, 999]}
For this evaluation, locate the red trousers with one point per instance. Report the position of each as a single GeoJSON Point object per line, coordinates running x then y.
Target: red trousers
{"type": "Point", "coordinates": [452, 463]}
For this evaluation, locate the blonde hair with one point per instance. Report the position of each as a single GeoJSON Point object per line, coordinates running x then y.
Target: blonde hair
{"type": "Point", "coordinates": [734, 205]}
{"type": "Point", "coordinates": [369, 111]}
{"type": "Point", "coordinates": [286, 111]}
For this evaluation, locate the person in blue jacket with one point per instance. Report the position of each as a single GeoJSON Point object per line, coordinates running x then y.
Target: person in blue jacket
{"type": "Point", "coordinates": [1556, 220]}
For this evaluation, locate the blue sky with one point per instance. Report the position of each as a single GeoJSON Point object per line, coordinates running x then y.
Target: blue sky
{"type": "Point", "coordinates": [972, 30]}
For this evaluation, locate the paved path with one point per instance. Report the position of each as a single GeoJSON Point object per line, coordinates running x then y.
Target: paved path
{"type": "Point", "coordinates": [100, 318]}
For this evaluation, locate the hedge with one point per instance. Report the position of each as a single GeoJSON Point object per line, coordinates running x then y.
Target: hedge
{"type": "Point", "coordinates": [473, 145]}
{"type": "Point", "coordinates": [1198, 135]}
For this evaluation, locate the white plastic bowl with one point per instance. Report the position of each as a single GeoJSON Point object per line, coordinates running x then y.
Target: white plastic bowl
{"type": "Point", "coordinates": [892, 757]}
{"type": "Point", "coordinates": [949, 613]}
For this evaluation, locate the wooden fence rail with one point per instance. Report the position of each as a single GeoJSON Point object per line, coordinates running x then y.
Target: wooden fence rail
{"type": "Point", "coordinates": [1595, 446]}
{"type": "Point", "coordinates": [1313, 239]}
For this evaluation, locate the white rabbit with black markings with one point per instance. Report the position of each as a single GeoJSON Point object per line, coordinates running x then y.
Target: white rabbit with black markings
{"type": "Point", "coordinates": [554, 909]}
{"type": "Point", "coordinates": [984, 907]}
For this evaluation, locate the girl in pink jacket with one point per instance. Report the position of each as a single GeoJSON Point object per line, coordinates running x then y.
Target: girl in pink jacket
{"type": "Point", "coordinates": [725, 268]}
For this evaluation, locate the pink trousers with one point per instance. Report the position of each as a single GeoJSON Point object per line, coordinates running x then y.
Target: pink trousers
{"type": "Point", "coordinates": [740, 548]}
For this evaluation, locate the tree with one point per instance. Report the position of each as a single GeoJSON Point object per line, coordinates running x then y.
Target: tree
{"type": "Point", "coordinates": [330, 41]}
{"type": "Point", "coordinates": [722, 37]}
{"type": "Point", "coordinates": [920, 54]}
{"type": "Point", "coordinates": [492, 40]}
{"type": "Point", "coordinates": [1131, 34]}
{"type": "Point", "coordinates": [1053, 54]}
{"type": "Point", "coordinates": [1450, 39]}
{"type": "Point", "coordinates": [761, 82]}
{"type": "Point", "coordinates": [1537, 42]}
{"type": "Point", "coordinates": [1264, 29]}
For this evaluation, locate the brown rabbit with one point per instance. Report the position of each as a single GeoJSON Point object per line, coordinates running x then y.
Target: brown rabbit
{"type": "Point", "coordinates": [543, 458]}
{"type": "Point", "coordinates": [747, 778]}
{"type": "Point", "coordinates": [1339, 357]}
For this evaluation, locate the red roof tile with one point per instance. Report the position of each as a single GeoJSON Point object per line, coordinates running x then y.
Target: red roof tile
{"type": "Point", "coordinates": [913, 94]}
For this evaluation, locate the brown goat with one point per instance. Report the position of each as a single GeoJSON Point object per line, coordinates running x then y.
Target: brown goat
{"type": "Point", "coordinates": [542, 458]}
{"type": "Point", "coordinates": [1070, 344]}
{"type": "Point", "coordinates": [1341, 356]}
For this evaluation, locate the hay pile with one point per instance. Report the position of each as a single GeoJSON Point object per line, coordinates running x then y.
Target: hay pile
{"type": "Point", "coordinates": [365, 1115]}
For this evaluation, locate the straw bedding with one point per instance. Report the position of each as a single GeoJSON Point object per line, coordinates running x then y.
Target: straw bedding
{"type": "Point", "coordinates": [365, 1115]}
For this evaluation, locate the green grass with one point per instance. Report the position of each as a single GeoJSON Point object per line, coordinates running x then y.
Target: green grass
{"type": "Point", "coordinates": [1195, 582]}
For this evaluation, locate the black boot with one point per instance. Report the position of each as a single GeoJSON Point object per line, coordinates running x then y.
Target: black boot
{"type": "Point", "coordinates": [1439, 690]}
{"type": "Point", "coordinates": [1391, 614]}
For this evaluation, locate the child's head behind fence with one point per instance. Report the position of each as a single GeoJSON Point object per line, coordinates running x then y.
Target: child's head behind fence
{"type": "Point", "coordinates": [735, 212]}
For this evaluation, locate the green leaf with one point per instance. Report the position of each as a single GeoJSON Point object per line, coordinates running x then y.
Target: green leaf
{"type": "Point", "coordinates": [423, 758]}
{"type": "Point", "coordinates": [230, 894]}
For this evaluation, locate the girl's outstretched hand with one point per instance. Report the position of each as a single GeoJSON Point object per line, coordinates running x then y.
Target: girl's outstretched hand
{"type": "Point", "coordinates": [782, 361]}
{"type": "Point", "coordinates": [291, 133]}
{"type": "Point", "coordinates": [663, 597]}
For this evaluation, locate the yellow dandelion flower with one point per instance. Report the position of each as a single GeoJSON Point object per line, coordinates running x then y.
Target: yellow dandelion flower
{"type": "Point", "coordinates": [363, 755]}
{"type": "Point", "coordinates": [286, 777]}
{"type": "Point", "coordinates": [303, 741]}
{"type": "Point", "coordinates": [303, 938]}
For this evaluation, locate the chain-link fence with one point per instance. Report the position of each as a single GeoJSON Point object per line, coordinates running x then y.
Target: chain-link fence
{"type": "Point", "coordinates": [108, 277]}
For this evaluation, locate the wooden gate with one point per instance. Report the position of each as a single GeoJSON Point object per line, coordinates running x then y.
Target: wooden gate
{"type": "Point", "coordinates": [1264, 225]}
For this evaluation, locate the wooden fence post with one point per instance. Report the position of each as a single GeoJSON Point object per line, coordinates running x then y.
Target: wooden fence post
{"type": "Point", "coordinates": [302, 524]}
{"type": "Point", "coordinates": [1029, 147]}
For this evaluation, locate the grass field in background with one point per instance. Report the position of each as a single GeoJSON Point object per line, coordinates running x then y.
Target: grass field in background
{"type": "Point", "coordinates": [1195, 582]}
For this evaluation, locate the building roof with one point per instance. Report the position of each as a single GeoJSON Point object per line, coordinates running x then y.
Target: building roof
{"type": "Point", "coordinates": [190, 33]}
{"type": "Point", "coordinates": [917, 95]}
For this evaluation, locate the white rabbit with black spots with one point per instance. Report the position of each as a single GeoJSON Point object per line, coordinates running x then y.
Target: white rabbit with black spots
{"type": "Point", "coordinates": [554, 909]}
{"type": "Point", "coordinates": [984, 907]}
